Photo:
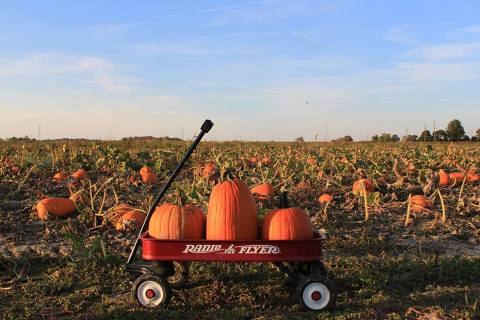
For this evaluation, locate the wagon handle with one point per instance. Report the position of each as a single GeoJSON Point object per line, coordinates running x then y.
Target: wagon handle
{"type": "Point", "coordinates": [206, 126]}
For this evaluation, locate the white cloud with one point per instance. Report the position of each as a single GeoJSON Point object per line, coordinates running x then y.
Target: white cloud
{"type": "Point", "coordinates": [472, 29]}
{"type": "Point", "coordinates": [437, 72]}
{"type": "Point", "coordinates": [445, 52]}
{"type": "Point", "coordinates": [87, 69]}
{"type": "Point", "coordinates": [401, 34]}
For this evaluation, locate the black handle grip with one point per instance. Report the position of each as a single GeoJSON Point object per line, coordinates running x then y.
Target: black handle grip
{"type": "Point", "coordinates": [206, 126]}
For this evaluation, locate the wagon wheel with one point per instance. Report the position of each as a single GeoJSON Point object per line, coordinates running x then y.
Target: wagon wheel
{"type": "Point", "coordinates": [180, 275]}
{"type": "Point", "coordinates": [304, 269]}
{"type": "Point", "coordinates": [151, 291]}
{"type": "Point", "coordinates": [316, 292]}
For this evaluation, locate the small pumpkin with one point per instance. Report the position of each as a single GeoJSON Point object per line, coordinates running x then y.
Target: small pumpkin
{"type": "Point", "coordinates": [59, 207]}
{"type": "Point", "coordinates": [254, 160]}
{"type": "Point", "coordinates": [208, 169]}
{"type": "Point", "coordinates": [457, 177]}
{"type": "Point", "coordinates": [59, 177]}
{"type": "Point", "coordinates": [420, 203]}
{"type": "Point", "coordinates": [367, 184]}
{"type": "Point", "coordinates": [286, 223]}
{"type": "Point", "coordinates": [80, 174]}
{"type": "Point", "coordinates": [311, 161]}
{"type": "Point", "coordinates": [232, 214]}
{"type": "Point", "coordinates": [114, 214]}
{"type": "Point", "coordinates": [263, 191]}
{"type": "Point", "coordinates": [444, 179]}
{"type": "Point", "coordinates": [266, 161]}
{"type": "Point", "coordinates": [171, 221]}
{"type": "Point", "coordinates": [325, 198]}
{"type": "Point", "coordinates": [133, 218]}
{"type": "Point", "coordinates": [473, 177]}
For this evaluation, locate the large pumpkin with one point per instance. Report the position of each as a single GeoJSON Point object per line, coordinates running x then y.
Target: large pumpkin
{"type": "Point", "coordinates": [287, 224]}
{"type": "Point", "coordinates": [176, 222]}
{"type": "Point", "coordinates": [59, 207]}
{"type": "Point", "coordinates": [232, 214]}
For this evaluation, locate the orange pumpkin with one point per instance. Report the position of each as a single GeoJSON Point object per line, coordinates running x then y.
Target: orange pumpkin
{"type": "Point", "coordinates": [420, 203]}
{"type": "Point", "coordinates": [367, 184]}
{"type": "Point", "coordinates": [444, 178]}
{"type": "Point", "coordinates": [145, 169]}
{"type": "Point", "coordinates": [175, 222]}
{"type": "Point", "coordinates": [60, 176]}
{"type": "Point", "coordinates": [232, 214]}
{"type": "Point", "coordinates": [208, 170]}
{"type": "Point", "coordinates": [473, 177]}
{"type": "Point", "coordinates": [80, 174]}
{"type": "Point", "coordinates": [266, 161]}
{"type": "Point", "coordinates": [287, 224]}
{"type": "Point", "coordinates": [148, 178]}
{"type": "Point", "coordinates": [325, 198]}
{"type": "Point", "coordinates": [60, 207]}
{"type": "Point", "coordinates": [254, 160]}
{"type": "Point", "coordinates": [263, 191]}
{"type": "Point", "coordinates": [133, 218]}
{"type": "Point", "coordinates": [457, 177]}
{"type": "Point", "coordinates": [114, 214]}
{"type": "Point", "coordinates": [311, 161]}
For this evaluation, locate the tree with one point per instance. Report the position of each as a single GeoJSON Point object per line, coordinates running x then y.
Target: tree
{"type": "Point", "coordinates": [344, 139]}
{"type": "Point", "coordinates": [465, 138]}
{"type": "Point", "coordinates": [375, 138]}
{"type": "Point", "coordinates": [395, 138]}
{"type": "Point", "coordinates": [299, 139]}
{"type": "Point", "coordinates": [478, 134]}
{"type": "Point", "coordinates": [409, 138]}
{"type": "Point", "coordinates": [425, 136]}
{"type": "Point", "coordinates": [455, 130]}
{"type": "Point", "coordinates": [440, 135]}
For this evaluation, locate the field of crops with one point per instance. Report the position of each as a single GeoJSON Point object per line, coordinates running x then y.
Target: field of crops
{"type": "Point", "coordinates": [386, 264]}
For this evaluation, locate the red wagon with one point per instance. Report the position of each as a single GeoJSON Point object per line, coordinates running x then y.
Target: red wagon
{"type": "Point", "coordinates": [165, 262]}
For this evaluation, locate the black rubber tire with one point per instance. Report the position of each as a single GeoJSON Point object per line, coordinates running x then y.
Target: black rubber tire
{"type": "Point", "coordinates": [179, 275]}
{"type": "Point", "coordinates": [155, 282]}
{"type": "Point", "coordinates": [321, 285]}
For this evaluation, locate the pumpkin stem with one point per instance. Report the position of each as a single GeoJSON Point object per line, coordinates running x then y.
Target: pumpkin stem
{"type": "Point", "coordinates": [178, 197]}
{"type": "Point", "coordinates": [227, 174]}
{"type": "Point", "coordinates": [284, 200]}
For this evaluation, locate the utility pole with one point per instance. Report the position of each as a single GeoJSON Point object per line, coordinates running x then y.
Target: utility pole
{"type": "Point", "coordinates": [424, 130]}
{"type": "Point", "coordinates": [434, 129]}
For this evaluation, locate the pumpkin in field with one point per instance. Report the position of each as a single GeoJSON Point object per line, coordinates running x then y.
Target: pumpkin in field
{"type": "Point", "coordinates": [311, 161]}
{"type": "Point", "coordinates": [232, 214]}
{"type": "Point", "coordinates": [367, 184]}
{"type": "Point", "coordinates": [59, 177]}
{"type": "Point", "coordinates": [171, 221]}
{"type": "Point", "coordinates": [303, 186]}
{"type": "Point", "coordinates": [266, 161]}
{"type": "Point", "coordinates": [325, 198]}
{"type": "Point", "coordinates": [420, 203]}
{"type": "Point", "coordinates": [444, 179]}
{"type": "Point", "coordinates": [254, 160]}
{"type": "Point", "coordinates": [59, 207]}
{"type": "Point", "coordinates": [473, 177]}
{"type": "Point", "coordinates": [286, 223]}
{"type": "Point", "coordinates": [263, 191]}
{"type": "Point", "coordinates": [147, 175]}
{"type": "Point", "coordinates": [457, 177]}
{"type": "Point", "coordinates": [113, 215]}
{"type": "Point", "coordinates": [80, 174]}
{"type": "Point", "coordinates": [130, 219]}
{"type": "Point", "coordinates": [208, 170]}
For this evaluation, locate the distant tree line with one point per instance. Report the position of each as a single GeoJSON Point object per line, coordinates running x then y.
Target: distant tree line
{"type": "Point", "coordinates": [453, 132]}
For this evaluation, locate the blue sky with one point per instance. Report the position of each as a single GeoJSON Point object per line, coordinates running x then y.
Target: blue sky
{"type": "Point", "coordinates": [121, 68]}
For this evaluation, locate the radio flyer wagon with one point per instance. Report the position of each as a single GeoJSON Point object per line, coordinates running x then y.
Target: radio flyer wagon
{"type": "Point", "coordinates": [164, 263]}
